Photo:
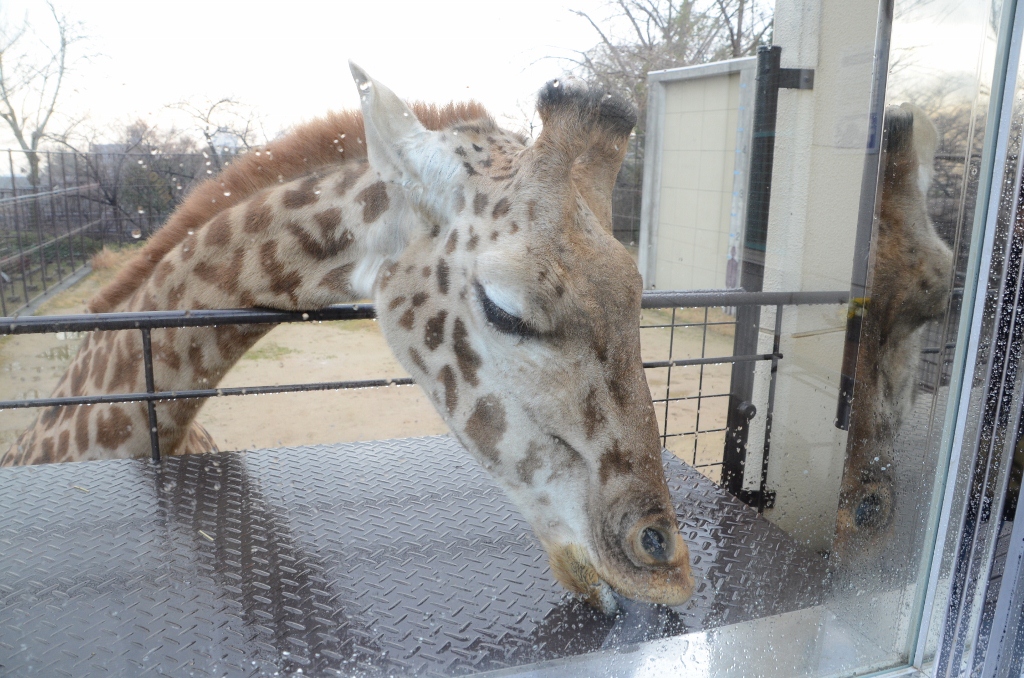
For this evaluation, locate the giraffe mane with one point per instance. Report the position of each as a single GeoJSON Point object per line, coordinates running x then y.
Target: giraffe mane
{"type": "Point", "coordinates": [309, 147]}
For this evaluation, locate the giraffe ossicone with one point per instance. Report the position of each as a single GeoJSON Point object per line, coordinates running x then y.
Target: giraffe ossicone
{"type": "Point", "coordinates": [497, 283]}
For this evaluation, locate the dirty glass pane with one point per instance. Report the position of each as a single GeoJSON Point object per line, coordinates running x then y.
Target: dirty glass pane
{"type": "Point", "coordinates": [805, 200]}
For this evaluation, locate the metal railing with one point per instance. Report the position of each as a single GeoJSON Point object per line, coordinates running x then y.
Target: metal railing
{"type": "Point", "coordinates": [145, 322]}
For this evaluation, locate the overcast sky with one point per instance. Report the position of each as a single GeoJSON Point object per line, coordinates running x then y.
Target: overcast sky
{"type": "Point", "coordinates": [288, 58]}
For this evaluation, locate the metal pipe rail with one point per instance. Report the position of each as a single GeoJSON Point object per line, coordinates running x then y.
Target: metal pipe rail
{"type": "Point", "coordinates": [150, 320]}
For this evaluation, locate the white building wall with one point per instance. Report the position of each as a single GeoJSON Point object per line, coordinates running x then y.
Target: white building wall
{"type": "Point", "coordinates": [816, 186]}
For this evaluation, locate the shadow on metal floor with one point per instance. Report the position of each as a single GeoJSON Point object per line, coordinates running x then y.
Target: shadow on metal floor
{"type": "Point", "coordinates": [394, 557]}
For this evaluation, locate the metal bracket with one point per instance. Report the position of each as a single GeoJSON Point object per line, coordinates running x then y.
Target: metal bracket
{"type": "Point", "coordinates": [796, 78]}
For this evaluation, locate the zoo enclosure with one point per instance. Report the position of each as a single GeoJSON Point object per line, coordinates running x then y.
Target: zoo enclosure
{"type": "Point", "coordinates": [81, 201]}
{"type": "Point", "coordinates": [676, 427]}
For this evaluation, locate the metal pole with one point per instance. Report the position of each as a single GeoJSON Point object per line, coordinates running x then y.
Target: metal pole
{"type": "Point", "coordinates": [17, 228]}
{"type": "Point", "coordinates": [53, 220]}
{"type": "Point", "coordinates": [748, 318]}
{"type": "Point", "coordinates": [147, 356]}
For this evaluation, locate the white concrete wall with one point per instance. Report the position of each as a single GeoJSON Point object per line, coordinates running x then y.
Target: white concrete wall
{"type": "Point", "coordinates": [816, 186]}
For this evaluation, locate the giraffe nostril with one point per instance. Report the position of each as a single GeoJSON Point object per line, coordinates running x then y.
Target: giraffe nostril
{"type": "Point", "coordinates": [655, 544]}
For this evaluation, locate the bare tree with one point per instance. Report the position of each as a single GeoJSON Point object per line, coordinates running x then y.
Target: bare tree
{"type": "Point", "coordinates": [662, 34]}
{"type": "Point", "coordinates": [32, 73]}
{"type": "Point", "coordinates": [226, 127]}
{"type": "Point", "coordinates": [139, 172]}
{"type": "Point", "coordinates": [746, 23]}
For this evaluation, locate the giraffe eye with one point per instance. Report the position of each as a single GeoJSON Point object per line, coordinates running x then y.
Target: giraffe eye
{"type": "Point", "coordinates": [502, 320]}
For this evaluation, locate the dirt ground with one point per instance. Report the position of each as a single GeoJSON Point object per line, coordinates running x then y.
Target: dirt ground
{"type": "Point", "coordinates": [30, 366]}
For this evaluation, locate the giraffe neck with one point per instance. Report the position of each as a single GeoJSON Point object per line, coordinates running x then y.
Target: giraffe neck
{"type": "Point", "coordinates": [305, 244]}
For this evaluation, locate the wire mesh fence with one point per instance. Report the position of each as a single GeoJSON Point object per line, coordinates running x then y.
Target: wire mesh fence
{"type": "Point", "coordinates": [51, 224]}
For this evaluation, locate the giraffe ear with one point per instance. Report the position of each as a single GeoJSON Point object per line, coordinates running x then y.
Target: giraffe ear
{"type": "Point", "coordinates": [404, 152]}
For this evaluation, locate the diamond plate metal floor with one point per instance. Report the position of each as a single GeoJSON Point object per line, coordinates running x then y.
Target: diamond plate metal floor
{"type": "Point", "coordinates": [395, 557]}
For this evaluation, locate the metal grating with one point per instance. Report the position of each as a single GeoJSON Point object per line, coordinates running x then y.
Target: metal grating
{"type": "Point", "coordinates": [395, 557]}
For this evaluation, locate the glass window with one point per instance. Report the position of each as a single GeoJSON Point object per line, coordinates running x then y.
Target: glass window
{"type": "Point", "coordinates": [821, 199]}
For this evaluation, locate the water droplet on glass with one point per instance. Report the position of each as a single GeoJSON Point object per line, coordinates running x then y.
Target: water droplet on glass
{"type": "Point", "coordinates": [556, 83]}
{"type": "Point", "coordinates": [140, 210]}
{"type": "Point", "coordinates": [191, 232]}
{"type": "Point", "coordinates": [227, 193]}
{"type": "Point", "coordinates": [365, 86]}
{"type": "Point", "coordinates": [136, 233]}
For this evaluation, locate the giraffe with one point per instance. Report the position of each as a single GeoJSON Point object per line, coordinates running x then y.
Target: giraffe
{"type": "Point", "coordinates": [498, 286]}
{"type": "Point", "coordinates": [910, 286]}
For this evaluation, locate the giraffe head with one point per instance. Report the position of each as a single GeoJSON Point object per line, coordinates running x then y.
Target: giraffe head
{"type": "Point", "coordinates": [518, 313]}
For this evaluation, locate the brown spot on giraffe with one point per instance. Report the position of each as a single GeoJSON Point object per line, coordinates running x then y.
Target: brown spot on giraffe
{"type": "Point", "coordinates": [115, 429]}
{"type": "Point", "coordinates": [197, 363]}
{"type": "Point", "coordinates": [374, 199]}
{"type": "Point", "coordinates": [67, 413]}
{"type": "Point", "coordinates": [63, 444]}
{"type": "Point", "coordinates": [123, 378]}
{"type": "Point", "coordinates": [451, 388]}
{"type": "Point", "coordinates": [305, 194]}
{"type": "Point", "coordinates": [468, 359]}
{"type": "Point", "coordinates": [593, 415]}
{"type": "Point", "coordinates": [259, 216]}
{"type": "Point", "coordinates": [281, 281]}
{"type": "Point", "coordinates": [218, 233]}
{"type": "Point", "coordinates": [442, 276]}
{"type": "Point", "coordinates": [614, 462]}
{"type": "Point", "coordinates": [338, 280]}
{"type": "Point", "coordinates": [426, 271]}
{"type": "Point", "coordinates": [49, 415]}
{"type": "Point", "coordinates": [419, 298]}
{"type": "Point", "coordinates": [531, 210]}
{"type": "Point", "coordinates": [328, 244]}
{"type": "Point", "coordinates": [433, 335]}
{"type": "Point", "coordinates": [175, 295]}
{"type": "Point", "coordinates": [99, 367]}
{"type": "Point", "coordinates": [474, 239]}
{"type": "Point", "coordinates": [486, 426]}
{"type": "Point", "coordinates": [452, 242]}
{"type": "Point", "coordinates": [528, 465]}
{"type": "Point", "coordinates": [164, 353]}
{"type": "Point", "coordinates": [479, 203]}
{"type": "Point", "coordinates": [46, 450]}
{"type": "Point", "coordinates": [513, 228]}
{"type": "Point", "coordinates": [460, 200]}
{"type": "Point", "coordinates": [417, 360]}
{"type": "Point", "coordinates": [408, 319]}
{"type": "Point", "coordinates": [501, 208]}
{"type": "Point", "coordinates": [396, 302]}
